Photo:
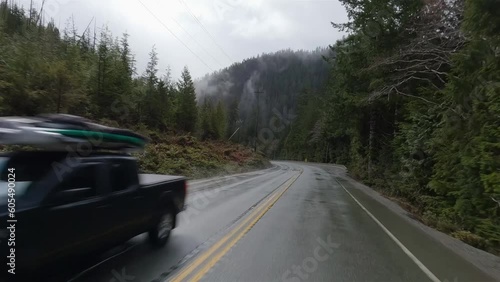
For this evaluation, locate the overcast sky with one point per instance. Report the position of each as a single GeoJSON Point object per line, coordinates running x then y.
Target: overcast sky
{"type": "Point", "coordinates": [230, 30]}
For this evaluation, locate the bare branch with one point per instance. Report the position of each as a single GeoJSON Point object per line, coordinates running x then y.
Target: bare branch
{"type": "Point", "coordinates": [496, 201]}
{"type": "Point", "coordinates": [436, 37]}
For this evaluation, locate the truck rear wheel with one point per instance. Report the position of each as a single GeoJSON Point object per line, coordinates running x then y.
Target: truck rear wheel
{"type": "Point", "coordinates": [159, 234]}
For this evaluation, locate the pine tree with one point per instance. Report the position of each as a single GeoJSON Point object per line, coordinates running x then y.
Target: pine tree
{"type": "Point", "coordinates": [205, 119]}
{"type": "Point", "coordinates": [152, 103]}
{"type": "Point", "coordinates": [187, 111]}
{"type": "Point", "coordinates": [467, 142]}
{"type": "Point", "coordinates": [220, 121]}
{"type": "Point", "coordinates": [127, 59]}
{"type": "Point", "coordinates": [152, 68]}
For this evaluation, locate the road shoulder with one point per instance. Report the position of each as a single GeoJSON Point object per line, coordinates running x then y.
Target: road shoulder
{"type": "Point", "coordinates": [462, 262]}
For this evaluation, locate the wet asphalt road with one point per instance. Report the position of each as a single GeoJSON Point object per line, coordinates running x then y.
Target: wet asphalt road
{"type": "Point", "coordinates": [294, 222]}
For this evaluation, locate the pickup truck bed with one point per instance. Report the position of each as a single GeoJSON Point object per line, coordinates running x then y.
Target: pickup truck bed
{"type": "Point", "coordinates": [149, 179]}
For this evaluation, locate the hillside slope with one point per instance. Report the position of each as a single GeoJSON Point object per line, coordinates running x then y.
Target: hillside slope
{"type": "Point", "coordinates": [186, 155]}
{"type": "Point", "coordinates": [262, 93]}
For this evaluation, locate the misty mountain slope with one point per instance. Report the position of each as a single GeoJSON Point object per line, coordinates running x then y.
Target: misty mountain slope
{"type": "Point", "coordinates": [265, 86]}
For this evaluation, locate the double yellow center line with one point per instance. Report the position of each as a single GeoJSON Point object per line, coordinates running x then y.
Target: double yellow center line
{"type": "Point", "coordinates": [204, 262]}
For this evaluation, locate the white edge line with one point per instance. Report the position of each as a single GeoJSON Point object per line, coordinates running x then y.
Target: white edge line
{"type": "Point", "coordinates": [405, 250]}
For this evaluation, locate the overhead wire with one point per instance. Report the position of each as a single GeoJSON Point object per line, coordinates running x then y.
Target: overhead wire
{"type": "Point", "coordinates": [175, 36]}
{"type": "Point", "coordinates": [203, 27]}
{"type": "Point", "coordinates": [197, 43]}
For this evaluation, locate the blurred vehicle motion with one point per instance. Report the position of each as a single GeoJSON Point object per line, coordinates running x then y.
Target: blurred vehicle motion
{"type": "Point", "coordinates": [71, 203]}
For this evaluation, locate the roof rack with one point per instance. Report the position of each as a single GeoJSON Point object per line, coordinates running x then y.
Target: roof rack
{"type": "Point", "coordinates": [63, 132]}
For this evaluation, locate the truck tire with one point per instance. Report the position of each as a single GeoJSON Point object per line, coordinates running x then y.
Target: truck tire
{"type": "Point", "coordinates": [159, 234]}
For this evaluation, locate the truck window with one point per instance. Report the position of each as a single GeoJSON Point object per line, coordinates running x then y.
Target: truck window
{"type": "Point", "coordinates": [84, 178]}
{"type": "Point", "coordinates": [26, 170]}
{"type": "Point", "coordinates": [123, 175]}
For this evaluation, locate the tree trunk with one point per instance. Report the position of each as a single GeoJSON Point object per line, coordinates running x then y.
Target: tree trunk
{"type": "Point", "coordinates": [326, 152]}
{"type": "Point", "coordinates": [59, 94]}
{"type": "Point", "coordinates": [31, 13]}
{"type": "Point", "coordinates": [395, 124]}
{"type": "Point", "coordinates": [370, 142]}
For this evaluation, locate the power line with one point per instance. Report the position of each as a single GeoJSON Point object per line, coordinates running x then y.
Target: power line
{"type": "Point", "coordinates": [197, 43]}
{"type": "Point", "coordinates": [178, 39]}
{"type": "Point", "coordinates": [203, 27]}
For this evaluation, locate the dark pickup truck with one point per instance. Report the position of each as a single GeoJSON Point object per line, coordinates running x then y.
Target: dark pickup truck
{"type": "Point", "coordinates": [66, 206]}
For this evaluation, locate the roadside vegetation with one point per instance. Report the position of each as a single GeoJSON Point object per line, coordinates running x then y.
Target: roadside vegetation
{"type": "Point", "coordinates": [45, 70]}
{"type": "Point", "coordinates": [186, 155]}
{"type": "Point", "coordinates": [413, 109]}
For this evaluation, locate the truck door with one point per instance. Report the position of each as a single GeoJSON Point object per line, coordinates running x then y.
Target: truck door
{"type": "Point", "coordinates": [74, 214]}
{"type": "Point", "coordinates": [126, 200]}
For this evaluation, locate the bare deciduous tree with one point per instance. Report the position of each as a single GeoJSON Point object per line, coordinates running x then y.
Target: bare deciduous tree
{"type": "Point", "coordinates": [426, 58]}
